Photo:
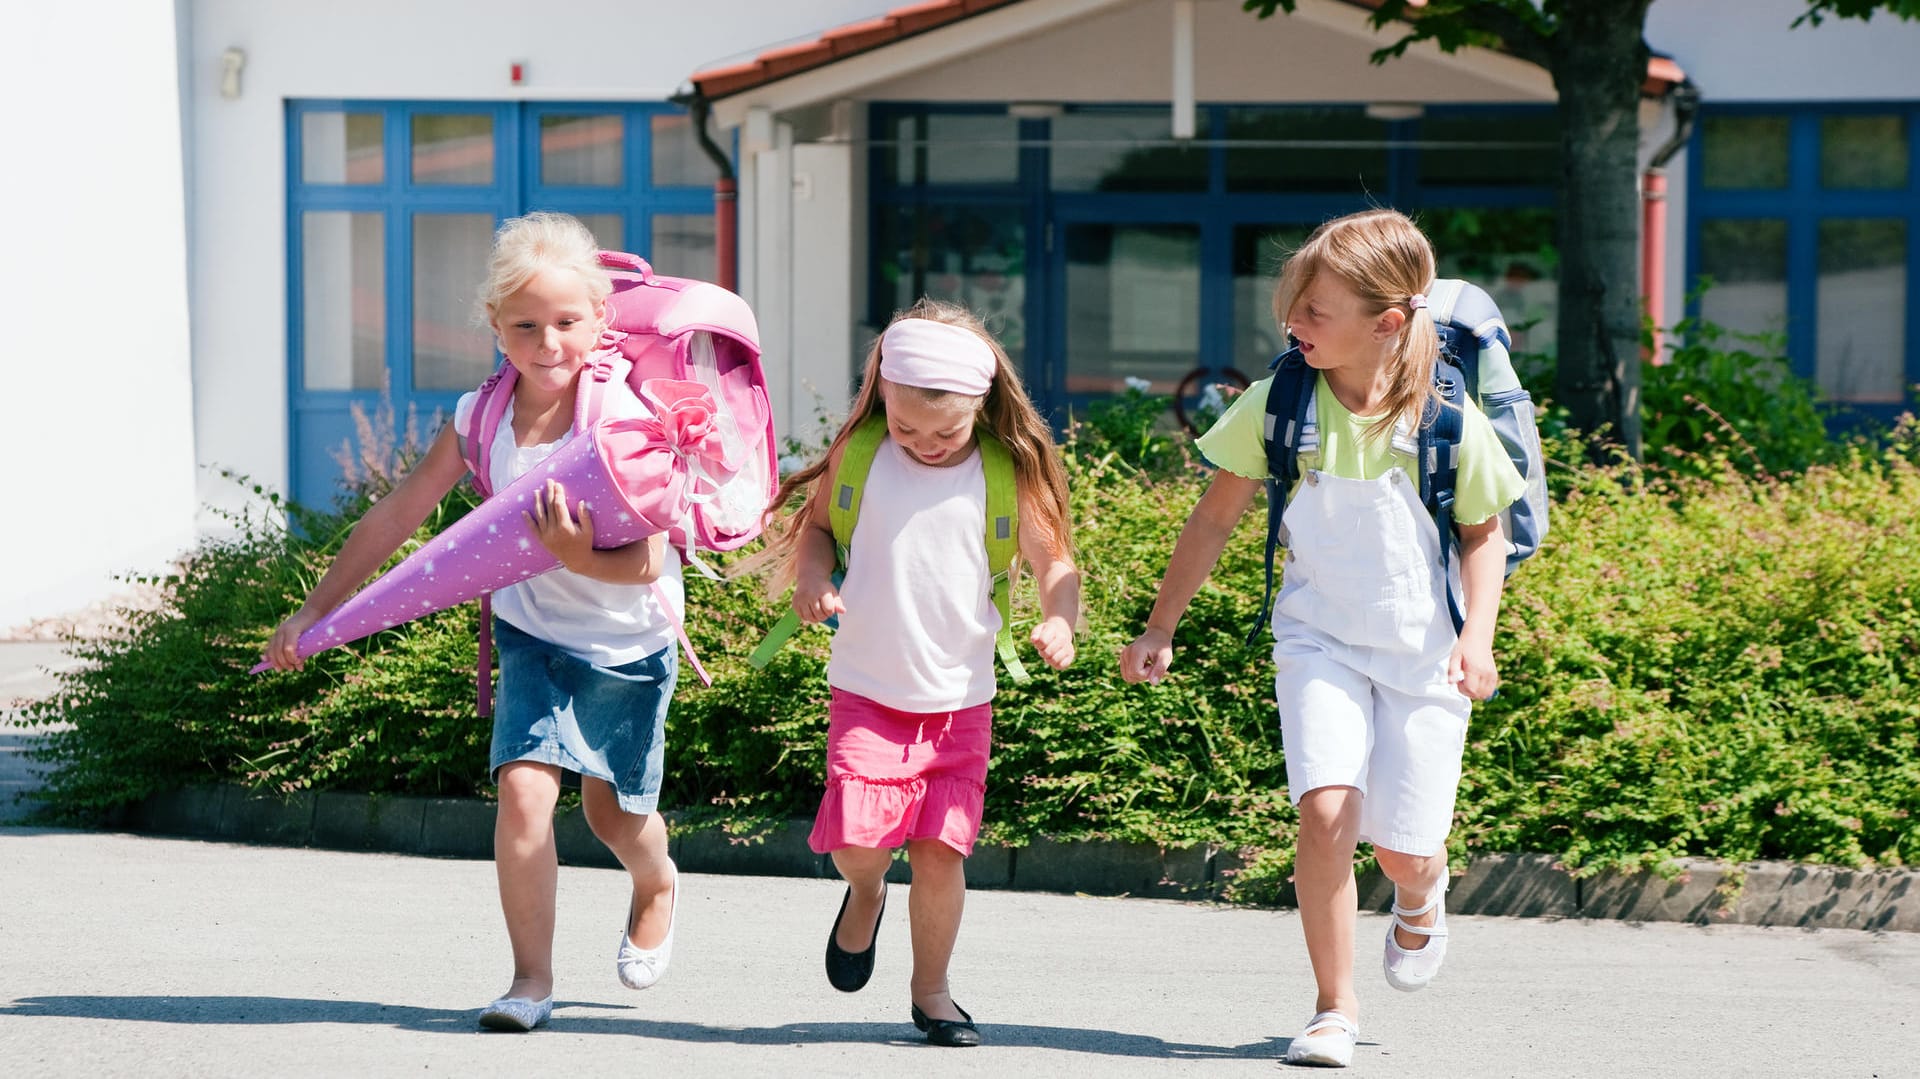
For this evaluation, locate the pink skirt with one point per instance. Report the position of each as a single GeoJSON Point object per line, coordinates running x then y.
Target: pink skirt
{"type": "Point", "coordinates": [895, 776]}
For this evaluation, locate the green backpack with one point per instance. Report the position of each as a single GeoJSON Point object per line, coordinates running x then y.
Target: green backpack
{"type": "Point", "coordinates": [1001, 530]}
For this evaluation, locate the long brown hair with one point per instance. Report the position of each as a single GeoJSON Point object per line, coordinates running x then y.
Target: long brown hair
{"type": "Point", "coordinates": [1006, 412]}
{"type": "Point", "coordinates": [1386, 260]}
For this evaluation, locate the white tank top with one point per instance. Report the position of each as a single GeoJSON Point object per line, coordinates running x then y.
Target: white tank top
{"type": "Point", "coordinates": [919, 629]}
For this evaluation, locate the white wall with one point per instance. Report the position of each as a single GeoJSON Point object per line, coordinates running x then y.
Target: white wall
{"type": "Point", "coordinates": [1743, 50]}
{"type": "Point", "coordinates": [95, 421]}
{"type": "Point", "coordinates": [423, 49]}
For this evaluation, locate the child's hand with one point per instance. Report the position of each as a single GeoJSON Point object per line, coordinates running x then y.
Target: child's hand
{"type": "Point", "coordinates": [283, 650]}
{"type": "Point", "coordinates": [570, 541]}
{"type": "Point", "coordinates": [817, 601]}
{"type": "Point", "coordinates": [1053, 639]}
{"type": "Point", "coordinates": [1471, 666]}
{"type": "Point", "coordinates": [1148, 657]}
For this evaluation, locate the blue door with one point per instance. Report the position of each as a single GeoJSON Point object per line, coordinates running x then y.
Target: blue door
{"type": "Point", "coordinates": [391, 212]}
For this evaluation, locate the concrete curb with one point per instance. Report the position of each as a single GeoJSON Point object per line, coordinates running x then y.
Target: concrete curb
{"type": "Point", "coordinates": [1515, 885]}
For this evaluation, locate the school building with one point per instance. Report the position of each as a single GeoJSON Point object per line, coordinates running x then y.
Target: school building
{"type": "Point", "coordinates": [242, 218]}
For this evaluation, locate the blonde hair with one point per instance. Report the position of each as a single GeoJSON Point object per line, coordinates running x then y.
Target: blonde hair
{"type": "Point", "coordinates": [524, 246]}
{"type": "Point", "coordinates": [1386, 260]}
{"type": "Point", "coordinates": [1006, 412]}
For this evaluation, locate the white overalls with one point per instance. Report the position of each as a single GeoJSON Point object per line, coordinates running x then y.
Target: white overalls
{"type": "Point", "coordinates": [1361, 642]}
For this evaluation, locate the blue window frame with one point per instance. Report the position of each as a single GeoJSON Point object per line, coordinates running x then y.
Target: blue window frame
{"type": "Point", "coordinates": [390, 211]}
{"type": "Point", "coordinates": [1808, 219]}
{"type": "Point", "coordinates": [1061, 226]}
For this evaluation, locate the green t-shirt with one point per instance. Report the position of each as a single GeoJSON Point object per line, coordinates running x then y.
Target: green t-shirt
{"type": "Point", "coordinates": [1486, 483]}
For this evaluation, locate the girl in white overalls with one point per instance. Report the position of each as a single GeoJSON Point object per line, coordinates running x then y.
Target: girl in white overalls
{"type": "Point", "coordinates": [1373, 684]}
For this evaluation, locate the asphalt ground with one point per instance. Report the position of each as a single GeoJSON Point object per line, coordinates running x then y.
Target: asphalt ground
{"type": "Point", "coordinates": [134, 955]}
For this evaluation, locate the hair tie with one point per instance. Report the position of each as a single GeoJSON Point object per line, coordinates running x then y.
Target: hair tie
{"type": "Point", "coordinates": [1416, 301]}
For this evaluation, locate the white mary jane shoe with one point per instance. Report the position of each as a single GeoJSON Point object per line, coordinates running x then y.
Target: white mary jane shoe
{"type": "Point", "coordinates": [640, 967]}
{"type": "Point", "coordinates": [1331, 1048]}
{"type": "Point", "coordinates": [1410, 971]}
{"type": "Point", "coordinates": [516, 1014]}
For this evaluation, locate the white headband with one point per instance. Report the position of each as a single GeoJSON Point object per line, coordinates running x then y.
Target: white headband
{"type": "Point", "coordinates": [936, 356]}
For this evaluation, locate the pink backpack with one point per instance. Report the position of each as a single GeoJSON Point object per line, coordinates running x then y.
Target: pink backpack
{"type": "Point", "coordinates": [663, 327]}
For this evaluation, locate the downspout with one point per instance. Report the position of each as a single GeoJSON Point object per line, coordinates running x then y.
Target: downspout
{"type": "Point", "coordinates": [1653, 216]}
{"type": "Point", "coordinates": [726, 206]}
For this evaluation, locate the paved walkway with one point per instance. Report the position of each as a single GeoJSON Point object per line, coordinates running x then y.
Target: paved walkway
{"type": "Point", "coordinates": [128, 955]}
{"type": "Point", "coordinates": [25, 668]}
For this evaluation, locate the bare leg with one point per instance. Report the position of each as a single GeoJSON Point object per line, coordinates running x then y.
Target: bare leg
{"type": "Point", "coordinates": [1419, 878]}
{"type": "Point", "coordinates": [640, 842]}
{"type": "Point", "coordinates": [1323, 882]}
{"type": "Point", "coordinates": [865, 871]}
{"type": "Point", "coordinates": [528, 866]}
{"type": "Point", "coordinates": [934, 903]}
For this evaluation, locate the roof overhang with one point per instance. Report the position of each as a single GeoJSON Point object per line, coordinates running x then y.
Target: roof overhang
{"type": "Point", "coordinates": [842, 61]}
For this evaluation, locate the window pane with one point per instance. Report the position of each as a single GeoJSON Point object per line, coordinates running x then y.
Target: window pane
{"type": "Point", "coordinates": [973, 255]}
{"type": "Point", "coordinates": [1305, 150]}
{"type": "Point", "coordinates": [1862, 311]}
{"type": "Point", "coordinates": [1511, 254]}
{"type": "Point", "coordinates": [343, 306]}
{"type": "Point", "coordinates": [1133, 306]}
{"type": "Point", "coordinates": [341, 148]}
{"type": "Point", "coordinates": [1259, 252]}
{"type": "Point", "coordinates": [955, 148]}
{"type": "Point", "coordinates": [581, 150]}
{"type": "Point", "coordinates": [1747, 260]}
{"type": "Point", "coordinates": [1124, 151]}
{"type": "Point", "coordinates": [452, 350]}
{"type": "Point", "coordinates": [683, 246]}
{"type": "Point", "coordinates": [1502, 149]}
{"type": "Point", "coordinates": [1863, 151]}
{"type": "Point", "coordinates": [455, 148]}
{"type": "Point", "coordinates": [609, 230]}
{"type": "Point", "coordinates": [1744, 151]}
{"type": "Point", "coordinates": [678, 160]}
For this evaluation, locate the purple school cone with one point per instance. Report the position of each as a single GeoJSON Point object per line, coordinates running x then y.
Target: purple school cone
{"type": "Point", "coordinates": [637, 475]}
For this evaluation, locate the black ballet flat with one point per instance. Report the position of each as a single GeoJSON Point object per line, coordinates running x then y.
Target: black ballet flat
{"type": "Point", "coordinates": [956, 1033]}
{"type": "Point", "coordinates": [849, 971]}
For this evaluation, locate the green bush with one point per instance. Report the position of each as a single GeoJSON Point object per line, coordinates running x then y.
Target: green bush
{"type": "Point", "coordinates": [1719, 665]}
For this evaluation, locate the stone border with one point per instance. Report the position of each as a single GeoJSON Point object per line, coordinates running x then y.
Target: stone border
{"type": "Point", "coordinates": [1516, 885]}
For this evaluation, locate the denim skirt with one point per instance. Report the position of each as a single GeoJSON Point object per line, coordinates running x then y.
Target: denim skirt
{"type": "Point", "coordinates": [608, 723]}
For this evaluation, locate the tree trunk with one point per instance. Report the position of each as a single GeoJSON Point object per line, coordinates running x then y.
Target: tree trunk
{"type": "Point", "coordinates": [1599, 60]}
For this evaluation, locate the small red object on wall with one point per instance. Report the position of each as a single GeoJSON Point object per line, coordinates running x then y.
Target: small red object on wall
{"type": "Point", "coordinates": [519, 72]}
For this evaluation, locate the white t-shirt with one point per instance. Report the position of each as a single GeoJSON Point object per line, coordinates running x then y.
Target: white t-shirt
{"type": "Point", "coordinates": [605, 624]}
{"type": "Point", "coordinates": [919, 629]}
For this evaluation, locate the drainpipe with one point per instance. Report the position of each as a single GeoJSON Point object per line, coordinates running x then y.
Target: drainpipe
{"type": "Point", "coordinates": [726, 206]}
{"type": "Point", "coordinates": [1653, 216]}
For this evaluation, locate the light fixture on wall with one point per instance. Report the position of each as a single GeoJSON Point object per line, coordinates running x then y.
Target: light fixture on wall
{"type": "Point", "coordinates": [1389, 111]}
{"type": "Point", "coordinates": [231, 62]}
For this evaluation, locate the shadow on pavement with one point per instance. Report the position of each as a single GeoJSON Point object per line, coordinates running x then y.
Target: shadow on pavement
{"type": "Point", "coordinates": [226, 1011]}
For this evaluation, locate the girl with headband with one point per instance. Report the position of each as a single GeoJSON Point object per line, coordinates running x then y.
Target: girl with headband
{"type": "Point", "coordinates": [1372, 681]}
{"type": "Point", "coordinates": [912, 666]}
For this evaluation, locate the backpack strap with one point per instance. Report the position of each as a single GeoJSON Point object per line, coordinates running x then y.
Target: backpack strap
{"type": "Point", "coordinates": [843, 511]}
{"type": "Point", "coordinates": [1288, 400]}
{"type": "Point", "coordinates": [1003, 543]}
{"type": "Point", "coordinates": [1442, 426]}
{"type": "Point", "coordinates": [476, 449]}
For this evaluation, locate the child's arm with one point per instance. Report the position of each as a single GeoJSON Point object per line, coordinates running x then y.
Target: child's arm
{"type": "Point", "coordinates": [1194, 553]}
{"type": "Point", "coordinates": [379, 533]}
{"type": "Point", "coordinates": [1058, 581]}
{"type": "Point", "coordinates": [571, 541]}
{"type": "Point", "coordinates": [1483, 576]}
{"type": "Point", "coordinates": [815, 599]}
